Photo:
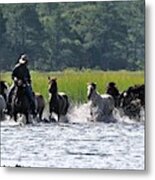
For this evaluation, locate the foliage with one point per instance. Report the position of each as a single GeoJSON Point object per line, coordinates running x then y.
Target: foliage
{"type": "Point", "coordinates": [104, 35]}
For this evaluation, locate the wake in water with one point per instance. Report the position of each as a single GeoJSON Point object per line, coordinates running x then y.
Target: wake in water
{"type": "Point", "coordinates": [80, 113]}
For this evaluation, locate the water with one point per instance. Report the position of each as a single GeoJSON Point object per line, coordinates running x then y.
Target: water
{"type": "Point", "coordinates": [77, 144]}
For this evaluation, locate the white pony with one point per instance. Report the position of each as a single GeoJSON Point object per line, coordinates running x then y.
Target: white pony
{"type": "Point", "coordinates": [2, 107]}
{"type": "Point", "coordinates": [101, 106]}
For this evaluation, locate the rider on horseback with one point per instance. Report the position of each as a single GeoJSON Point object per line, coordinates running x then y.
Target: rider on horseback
{"type": "Point", "coordinates": [21, 74]}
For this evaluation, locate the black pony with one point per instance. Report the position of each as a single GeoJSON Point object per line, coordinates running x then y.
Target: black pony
{"type": "Point", "coordinates": [3, 89]}
{"type": "Point", "coordinates": [20, 102]}
{"type": "Point", "coordinates": [133, 93]}
{"type": "Point", "coordinates": [59, 103]}
{"type": "Point", "coordinates": [133, 100]}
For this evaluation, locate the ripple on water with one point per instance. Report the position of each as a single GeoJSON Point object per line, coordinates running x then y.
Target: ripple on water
{"type": "Point", "coordinates": [73, 145]}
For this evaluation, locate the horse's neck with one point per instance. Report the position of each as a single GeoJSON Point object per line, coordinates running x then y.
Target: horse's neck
{"type": "Point", "coordinates": [95, 97]}
{"type": "Point", "coordinates": [19, 92]}
{"type": "Point", "coordinates": [54, 96]}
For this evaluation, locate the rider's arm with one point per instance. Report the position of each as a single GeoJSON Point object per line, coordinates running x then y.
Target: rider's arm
{"type": "Point", "coordinates": [28, 76]}
{"type": "Point", "coordinates": [14, 74]}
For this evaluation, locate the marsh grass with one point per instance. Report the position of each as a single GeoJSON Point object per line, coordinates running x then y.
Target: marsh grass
{"type": "Point", "coordinates": [74, 83]}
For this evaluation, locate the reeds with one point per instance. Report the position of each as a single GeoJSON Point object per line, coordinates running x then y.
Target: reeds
{"type": "Point", "coordinates": [74, 83]}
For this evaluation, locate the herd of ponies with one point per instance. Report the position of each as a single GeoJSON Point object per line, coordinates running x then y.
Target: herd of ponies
{"type": "Point", "coordinates": [101, 106]}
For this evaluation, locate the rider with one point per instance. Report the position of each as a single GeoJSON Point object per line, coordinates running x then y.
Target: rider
{"type": "Point", "coordinates": [21, 72]}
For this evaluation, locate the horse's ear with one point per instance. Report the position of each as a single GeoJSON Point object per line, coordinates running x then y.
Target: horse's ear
{"type": "Point", "coordinates": [49, 78]}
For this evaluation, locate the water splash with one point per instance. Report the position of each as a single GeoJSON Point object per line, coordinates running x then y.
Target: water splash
{"type": "Point", "coordinates": [79, 113]}
{"type": "Point", "coordinates": [121, 117]}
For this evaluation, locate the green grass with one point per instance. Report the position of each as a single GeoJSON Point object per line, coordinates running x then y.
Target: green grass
{"type": "Point", "coordinates": [74, 83]}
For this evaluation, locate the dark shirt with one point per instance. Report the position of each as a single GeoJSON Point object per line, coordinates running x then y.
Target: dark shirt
{"type": "Point", "coordinates": [21, 72]}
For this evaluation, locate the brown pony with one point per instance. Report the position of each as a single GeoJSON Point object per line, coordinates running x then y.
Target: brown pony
{"type": "Point", "coordinates": [59, 103]}
{"type": "Point", "coordinates": [40, 104]}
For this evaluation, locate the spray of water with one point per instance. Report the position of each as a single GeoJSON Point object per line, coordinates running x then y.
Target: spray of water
{"type": "Point", "coordinates": [80, 113]}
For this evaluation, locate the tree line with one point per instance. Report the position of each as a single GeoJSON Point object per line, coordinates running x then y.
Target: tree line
{"type": "Point", "coordinates": [56, 36]}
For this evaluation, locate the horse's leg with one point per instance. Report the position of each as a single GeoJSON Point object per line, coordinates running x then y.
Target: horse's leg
{"type": "Point", "coordinates": [15, 116]}
{"type": "Point", "coordinates": [27, 118]}
{"type": "Point", "coordinates": [40, 114]}
{"type": "Point", "coordinates": [50, 110]}
{"type": "Point", "coordinates": [52, 119]}
{"type": "Point", "coordinates": [1, 115]}
{"type": "Point", "coordinates": [58, 117]}
{"type": "Point", "coordinates": [50, 116]}
{"type": "Point", "coordinates": [67, 106]}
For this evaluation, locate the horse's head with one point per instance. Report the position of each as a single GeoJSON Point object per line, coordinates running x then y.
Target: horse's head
{"type": "Point", "coordinates": [125, 99]}
{"type": "Point", "coordinates": [4, 89]}
{"type": "Point", "coordinates": [111, 84]}
{"type": "Point", "coordinates": [52, 85]}
{"type": "Point", "coordinates": [91, 88]}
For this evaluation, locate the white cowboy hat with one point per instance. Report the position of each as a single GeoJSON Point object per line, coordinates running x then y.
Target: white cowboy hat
{"type": "Point", "coordinates": [23, 59]}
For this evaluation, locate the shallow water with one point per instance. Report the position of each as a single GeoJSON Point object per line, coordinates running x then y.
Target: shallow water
{"type": "Point", "coordinates": [77, 144]}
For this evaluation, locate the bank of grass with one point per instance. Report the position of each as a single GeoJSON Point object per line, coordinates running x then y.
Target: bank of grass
{"type": "Point", "coordinates": [74, 83]}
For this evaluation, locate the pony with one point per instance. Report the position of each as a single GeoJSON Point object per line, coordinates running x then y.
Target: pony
{"type": "Point", "coordinates": [40, 104]}
{"type": "Point", "coordinates": [20, 103]}
{"type": "Point", "coordinates": [101, 106]}
{"type": "Point", "coordinates": [114, 92]}
{"type": "Point", "coordinates": [132, 101]}
{"type": "Point", "coordinates": [133, 93]}
{"type": "Point", "coordinates": [59, 102]}
{"type": "Point", "coordinates": [4, 89]}
{"type": "Point", "coordinates": [2, 107]}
